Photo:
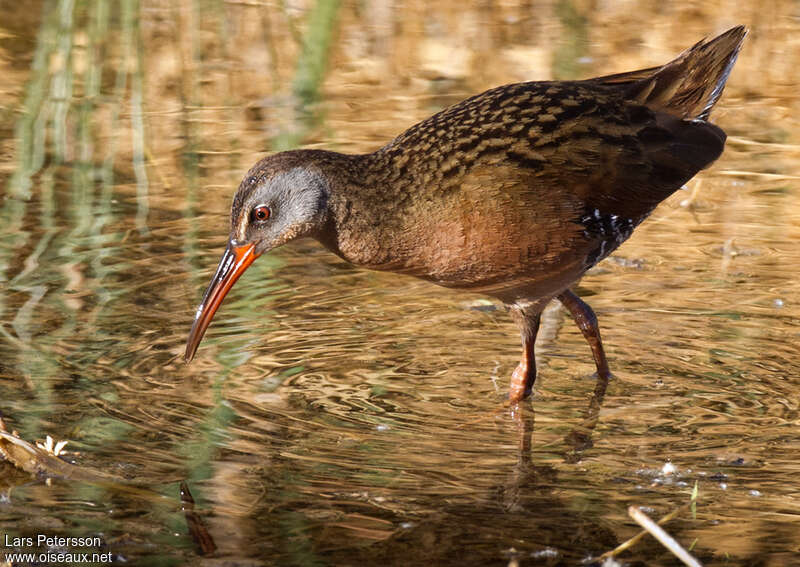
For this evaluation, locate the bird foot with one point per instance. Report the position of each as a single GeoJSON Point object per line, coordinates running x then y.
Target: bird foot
{"type": "Point", "coordinates": [521, 385]}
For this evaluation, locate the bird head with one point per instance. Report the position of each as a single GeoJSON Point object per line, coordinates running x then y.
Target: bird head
{"type": "Point", "coordinates": [283, 197]}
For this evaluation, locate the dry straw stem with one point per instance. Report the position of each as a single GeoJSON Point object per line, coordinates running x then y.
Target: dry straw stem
{"type": "Point", "coordinates": [662, 536]}
{"type": "Point", "coordinates": [635, 539]}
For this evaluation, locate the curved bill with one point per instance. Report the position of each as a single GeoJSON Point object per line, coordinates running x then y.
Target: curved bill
{"type": "Point", "coordinates": [233, 263]}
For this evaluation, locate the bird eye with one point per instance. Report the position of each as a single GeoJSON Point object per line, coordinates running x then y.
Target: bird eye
{"type": "Point", "coordinates": [261, 213]}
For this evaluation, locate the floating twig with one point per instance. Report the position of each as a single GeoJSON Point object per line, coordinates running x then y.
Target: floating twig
{"type": "Point", "coordinates": [662, 536]}
{"type": "Point", "coordinates": [692, 505]}
{"type": "Point", "coordinates": [43, 459]}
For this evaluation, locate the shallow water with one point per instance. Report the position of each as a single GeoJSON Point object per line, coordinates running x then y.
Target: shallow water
{"type": "Point", "coordinates": [335, 416]}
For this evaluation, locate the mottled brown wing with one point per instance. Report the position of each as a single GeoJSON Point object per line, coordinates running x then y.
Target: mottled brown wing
{"type": "Point", "coordinates": [628, 169]}
{"type": "Point", "coordinates": [585, 194]}
{"type": "Point", "coordinates": [547, 204]}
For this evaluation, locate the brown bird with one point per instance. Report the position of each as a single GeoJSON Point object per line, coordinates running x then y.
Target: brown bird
{"type": "Point", "coordinates": [513, 193]}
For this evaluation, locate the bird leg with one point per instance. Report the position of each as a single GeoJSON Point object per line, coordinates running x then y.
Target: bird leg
{"type": "Point", "coordinates": [587, 322]}
{"type": "Point", "coordinates": [525, 373]}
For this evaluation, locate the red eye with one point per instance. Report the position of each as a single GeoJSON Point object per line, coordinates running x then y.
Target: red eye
{"type": "Point", "coordinates": [261, 213]}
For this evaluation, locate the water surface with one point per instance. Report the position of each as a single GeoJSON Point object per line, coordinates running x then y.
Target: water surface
{"type": "Point", "coordinates": [335, 416]}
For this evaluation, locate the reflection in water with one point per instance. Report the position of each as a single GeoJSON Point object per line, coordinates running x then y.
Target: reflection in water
{"type": "Point", "coordinates": [339, 416]}
{"type": "Point", "coordinates": [197, 527]}
{"type": "Point", "coordinates": [580, 438]}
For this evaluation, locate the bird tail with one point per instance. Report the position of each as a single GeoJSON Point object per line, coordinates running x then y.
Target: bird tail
{"type": "Point", "coordinates": [690, 85]}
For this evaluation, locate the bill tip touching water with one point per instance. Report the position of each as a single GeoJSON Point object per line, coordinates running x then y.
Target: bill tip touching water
{"type": "Point", "coordinates": [514, 193]}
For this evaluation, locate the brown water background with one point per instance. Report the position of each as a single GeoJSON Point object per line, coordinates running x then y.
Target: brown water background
{"type": "Point", "coordinates": [335, 416]}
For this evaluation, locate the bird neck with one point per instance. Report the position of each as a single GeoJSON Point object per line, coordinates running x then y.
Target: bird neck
{"type": "Point", "coordinates": [363, 222]}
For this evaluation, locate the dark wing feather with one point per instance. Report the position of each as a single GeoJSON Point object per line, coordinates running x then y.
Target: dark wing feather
{"type": "Point", "coordinates": [688, 86]}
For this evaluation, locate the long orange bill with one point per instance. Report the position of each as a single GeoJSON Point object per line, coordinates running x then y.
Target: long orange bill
{"type": "Point", "coordinates": [233, 263]}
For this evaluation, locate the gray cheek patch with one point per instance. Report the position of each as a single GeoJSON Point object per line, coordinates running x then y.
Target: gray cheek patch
{"type": "Point", "coordinates": [301, 193]}
{"type": "Point", "coordinates": [297, 197]}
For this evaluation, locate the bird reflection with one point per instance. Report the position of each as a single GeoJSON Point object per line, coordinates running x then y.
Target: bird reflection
{"type": "Point", "coordinates": [527, 476]}
{"type": "Point", "coordinates": [580, 438]}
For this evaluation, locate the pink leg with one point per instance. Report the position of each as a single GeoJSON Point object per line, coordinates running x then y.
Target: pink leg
{"type": "Point", "coordinates": [587, 322]}
{"type": "Point", "coordinates": [525, 374]}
